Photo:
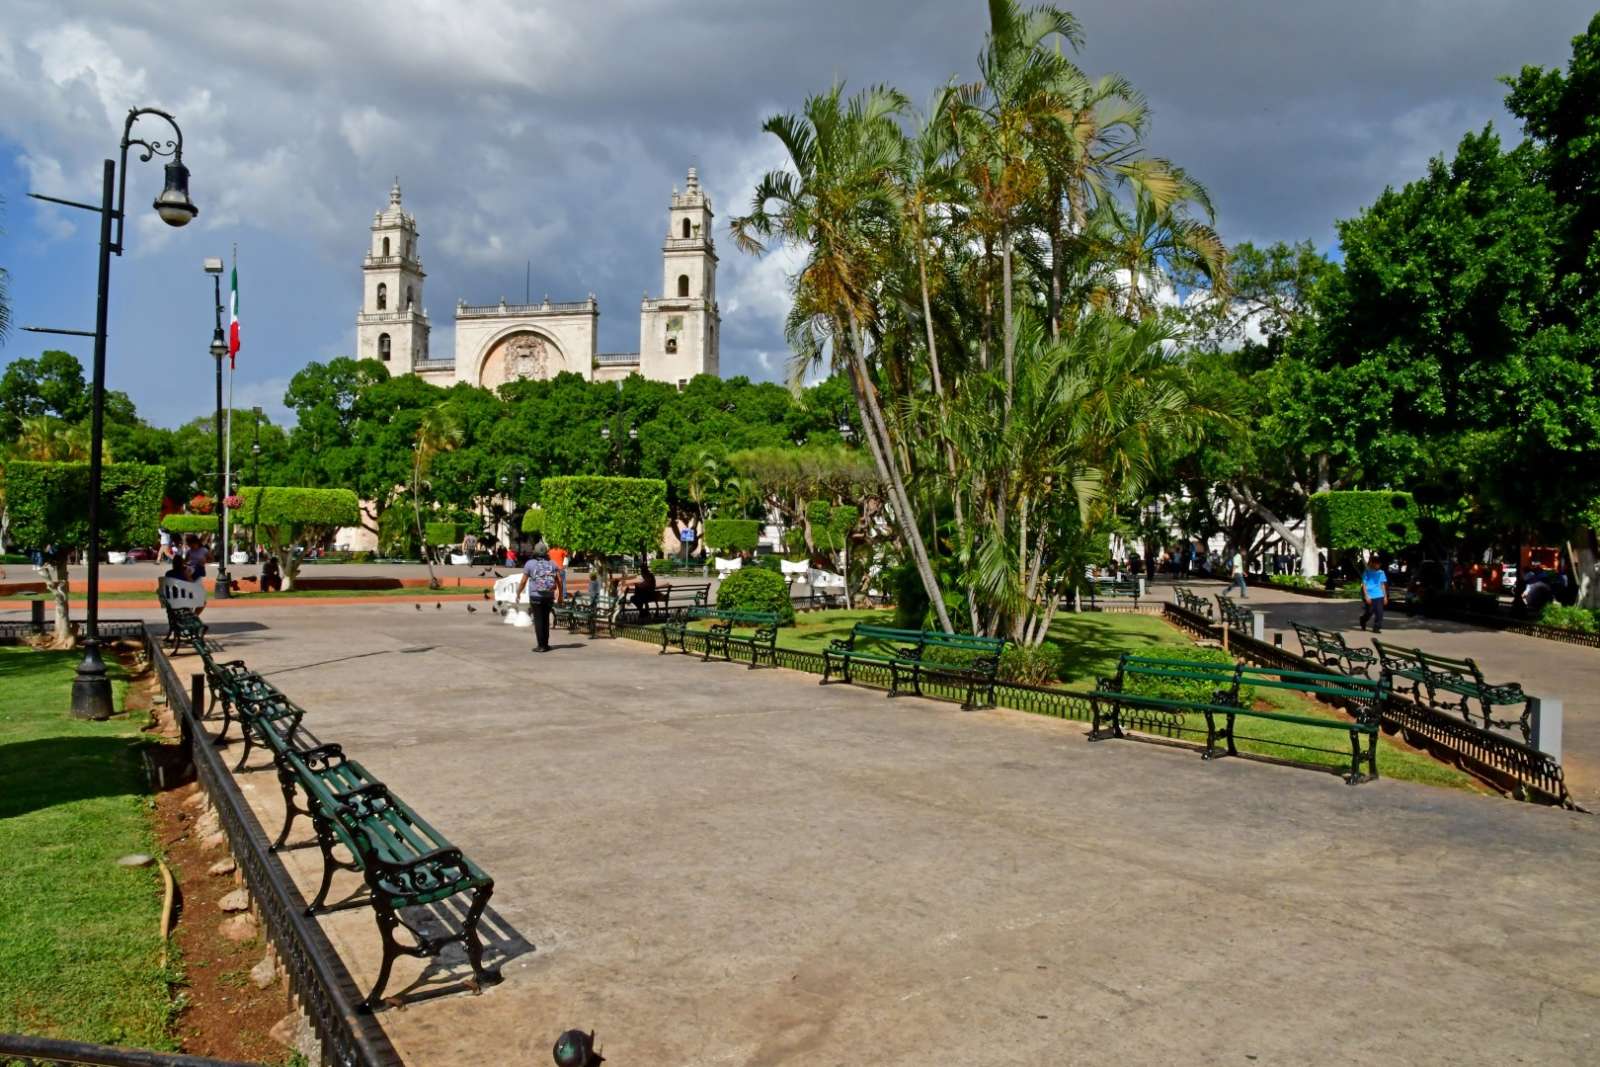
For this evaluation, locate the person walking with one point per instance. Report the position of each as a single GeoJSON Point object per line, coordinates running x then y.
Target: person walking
{"type": "Point", "coordinates": [546, 587]}
{"type": "Point", "coordinates": [1238, 574]}
{"type": "Point", "coordinates": [1374, 595]}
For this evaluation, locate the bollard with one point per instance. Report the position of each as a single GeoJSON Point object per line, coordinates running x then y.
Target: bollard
{"type": "Point", "coordinates": [1141, 588]}
{"type": "Point", "coordinates": [1546, 726]}
{"type": "Point", "coordinates": [36, 617]}
{"type": "Point", "coordinates": [1258, 625]}
{"type": "Point", "coordinates": [197, 694]}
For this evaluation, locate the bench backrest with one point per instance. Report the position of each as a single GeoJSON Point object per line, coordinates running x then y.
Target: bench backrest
{"type": "Point", "coordinates": [964, 642]}
{"type": "Point", "coordinates": [1367, 694]}
{"type": "Point", "coordinates": [1465, 669]}
{"type": "Point", "coordinates": [177, 593]}
{"type": "Point", "coordinates": [1395, 658]}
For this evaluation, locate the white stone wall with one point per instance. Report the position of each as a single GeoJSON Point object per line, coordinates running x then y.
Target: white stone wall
{"type": "Point", "coordinates": [570, 338]}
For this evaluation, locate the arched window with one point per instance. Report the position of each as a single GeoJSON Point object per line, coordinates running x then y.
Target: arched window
{"type": "Point", "coordinates": [383, 347]}
{"type": "Point", "coordinates": [383, 296]}
{"type": "Point", "coordinates": [683, 285]}
{"type": "Point", "coordinates": [408, 298]}
{"type": "Point", "coordinates": [672, 345]}
{"type": "Point", "coordinates": [686, 228]}
{"type": "Point", "coordinates": [385, 248]}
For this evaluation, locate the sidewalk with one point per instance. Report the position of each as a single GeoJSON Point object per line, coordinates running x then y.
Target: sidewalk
{"type": "Point", "coordinates": [1545, 668]}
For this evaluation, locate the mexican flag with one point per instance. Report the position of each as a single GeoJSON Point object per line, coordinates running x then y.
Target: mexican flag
{"type": "Point", "coordinates": [233, 320]}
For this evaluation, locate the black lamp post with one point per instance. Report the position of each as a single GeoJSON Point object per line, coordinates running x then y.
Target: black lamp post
{"type": "Point", "coordinates": [91, 688]}
{"type": "Point", "coordinates": [219, 348]}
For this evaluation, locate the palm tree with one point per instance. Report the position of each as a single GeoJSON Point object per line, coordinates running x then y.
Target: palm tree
{"type": "Point", "coordinates": [1148, 241]}
{"type": "Point", "coordinates": [440, 431]}
{"type": "Point", "coordinates": [837, 199]}
{"type": "Point", "coordinates": [45, 439]}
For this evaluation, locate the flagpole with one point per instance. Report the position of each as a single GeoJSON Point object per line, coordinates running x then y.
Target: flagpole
{"type": "Point", "coordinates": [227, 454]}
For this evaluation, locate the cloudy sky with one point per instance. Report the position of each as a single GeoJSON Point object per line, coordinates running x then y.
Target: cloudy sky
{"type": "Point", "coordinates": [554, 132]}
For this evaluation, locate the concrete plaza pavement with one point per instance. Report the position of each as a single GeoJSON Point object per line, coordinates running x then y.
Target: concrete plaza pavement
{"type": "Point", "coordinates": [1545, 668]}
{"type": "Point", "coordinates": [712, 865]}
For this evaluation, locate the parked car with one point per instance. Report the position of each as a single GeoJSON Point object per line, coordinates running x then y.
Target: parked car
{"type": "Point", "coordinates": [142, 555]}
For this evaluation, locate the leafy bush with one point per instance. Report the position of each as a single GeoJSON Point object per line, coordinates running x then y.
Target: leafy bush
{"type": "Point", "coordinates": [442, 533]}
{"type": "Point", "coordinates": [1040, 665]}
{"type": "Point", "coordinates": [831, 526]}
{"type": "Point", "coordinates": [1195, 690]}
{"type": "Point", "coordinates": [533, 521]}
{"type": "Point", "coordinates": [284, 516]}
{"type": "Point", "coordinates": [607, 516]}
{"type": "Point", "coordinates": [397, 532]}
{"type": "Point", "coordinates": [754, 589]}
{"type": "Point", "coordinates": [1574, 618]}
{"type": "Point", "coordinates": [179, 523]}
{"type": "Point", "coordinates": [1378, 522]}
{"type": "Point", "coordinates": [361, 557]}
{"type": "Point", "coordinates": [732, 535]}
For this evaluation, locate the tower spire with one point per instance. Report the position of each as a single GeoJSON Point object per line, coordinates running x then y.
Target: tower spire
{"type": "Point", "coordinates": [394, 193]}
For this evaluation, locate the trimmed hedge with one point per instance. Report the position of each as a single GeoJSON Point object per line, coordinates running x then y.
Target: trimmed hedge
{"type": "Point", "coordinates": [1181, 689]}
{"type": "Point", "coordinates": [732, 535]}
{"type": "Point", "coordinates": [275, 505]}
{"type": "Point", "coordinates": [755, 589]}
{"type": "Point", "coordinates": [181, 523]}
{"type": "Point", "coordinates": [443, 533]}
{"type": "Point", "coordinates": [533, 521]}
{"type": "Point", "coordinates": [47, 504]}
{"type": "Point", "coordinates": [1375, 521]}
{"type": "Point", "coordinates": [609, 516]}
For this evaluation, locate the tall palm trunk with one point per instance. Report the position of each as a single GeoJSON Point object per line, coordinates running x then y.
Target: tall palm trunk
{"type": "Point", "coordinates": [1010, 331]}
{"type": "Point", "coordinates": [1055, 262]}
{"type": "Point", "coordinates": [881, 446]}
{"type": "Point", "coordinates": [416, 503]}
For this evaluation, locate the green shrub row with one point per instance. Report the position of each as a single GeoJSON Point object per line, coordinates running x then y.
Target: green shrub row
{"type": "Point", "coordinates": [755, 589]}
{"type": "Point", "coordinates": [1374, 521]}
{"type": "Point", "coordinates": [1562, 617]}
{"type": "Point", "coordinates": [732, 535]}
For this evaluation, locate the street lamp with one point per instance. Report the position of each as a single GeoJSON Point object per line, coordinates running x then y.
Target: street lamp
{"type": "Point", "coordinates": [255, 450]}
{"type": "Point", "coordinates": [846, 431]}
{"type": "Point", "coordinates": [213, 267]}
{"type": "Point", "coordinates": [91, 687]}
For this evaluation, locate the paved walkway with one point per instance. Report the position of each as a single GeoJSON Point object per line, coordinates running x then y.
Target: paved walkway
{"type": "Point", "coordinates": [1546, 668]}
{"type": "Point", "coordinates": [711, 865]}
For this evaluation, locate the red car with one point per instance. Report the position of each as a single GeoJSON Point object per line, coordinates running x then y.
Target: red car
{"type": "Point", "coordinates": [141, 555]}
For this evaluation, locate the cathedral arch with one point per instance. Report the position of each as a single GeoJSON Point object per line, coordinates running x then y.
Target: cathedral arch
{"type": "Point", "coordinates": [383, 296]}
{"type": "Point", "coordinates": [516, 353]}
{"type": "Point", "coordinates": [683, 285]}
{"type": "Point", "coordinates": [383, 347]}
{"type": "Point", "coordinates": [686, 229]}
{"type": "Point", "coordinates": [385, 248]}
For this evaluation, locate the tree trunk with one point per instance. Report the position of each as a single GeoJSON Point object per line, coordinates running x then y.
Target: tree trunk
{"type": "Point", "coordinates": [1010, 330]}
{"type": "Point", "coordinates": [1055, 264]}
{"type": "Point", "coordinates": [56, 581]}
{"type": "Point", "coordinates": [878, 439]}
{"type": "Point", "coordinates": [288, 565]}
{"type": "Point", "coordinates": [844, 572]}
{"type": "Point", "coordinates": [1584, 548]}
{"type": "Point", "coordinates": [1310, 565]}
{"type": "Point", "coordinates": [422, 538]}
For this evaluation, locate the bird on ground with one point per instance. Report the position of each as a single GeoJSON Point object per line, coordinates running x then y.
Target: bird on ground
{"type": "Point", "coordinates": [486, 595]}
{"type": "Point", "coordinates": [417, 606]}
{"type": "Point", "coordinates": [437, 606]}
{"type": "Point", "coordinates": [471, 610]}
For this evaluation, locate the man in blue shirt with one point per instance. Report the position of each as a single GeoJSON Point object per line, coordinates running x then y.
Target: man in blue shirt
{"type": "Point", "coordinates": [1374, 594]}
{"type": "Point", "coordinates": [546, 585]}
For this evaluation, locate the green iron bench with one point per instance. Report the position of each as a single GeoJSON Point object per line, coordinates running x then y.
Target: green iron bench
{"type": "Point", "coordinates": [720, 638]}
{"type": "Point", "coordinates": [1329, 649]}
{"type": "Point", "coordinates": [975, 661]}
{"type": "Point", "coordinates": [1114, 589]}
{"type": "Point", "coordinates": [405, 862]}
{"type": "Point", "coordinates": [1461, 679]}
{"type": "Point", "coordinates": [1363, 697]}
{"type": "Point", "coordinates": [1233, 616]}
{"type": "Point", "coordinates": [1199, 605]}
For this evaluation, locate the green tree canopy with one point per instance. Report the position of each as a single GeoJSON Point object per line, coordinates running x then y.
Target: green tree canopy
{"type": "Point", "coordinates": [608, 516]}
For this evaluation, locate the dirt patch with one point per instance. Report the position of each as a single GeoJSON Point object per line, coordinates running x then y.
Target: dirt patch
{"type": "Point", "coordinates": [221, 1012]}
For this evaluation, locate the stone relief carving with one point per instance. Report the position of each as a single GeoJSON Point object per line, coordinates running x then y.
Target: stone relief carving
{"type": "Point", "coordinates": [522, 355]}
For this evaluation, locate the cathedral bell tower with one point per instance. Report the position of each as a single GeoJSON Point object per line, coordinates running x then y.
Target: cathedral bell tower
{"type": "Point", "coordinates": [392, 326]}
{"type": "Point", "coordinates": [678, 334]}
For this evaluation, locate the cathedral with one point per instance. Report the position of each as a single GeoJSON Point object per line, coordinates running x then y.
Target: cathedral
{"type": "Point", "coordinates": [498, 343]}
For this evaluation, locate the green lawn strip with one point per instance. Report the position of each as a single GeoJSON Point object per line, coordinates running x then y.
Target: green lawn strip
{"type": "Point", "coordinates": [80, 950]}
{"type": "Point", "coordinates": [1091, 642]}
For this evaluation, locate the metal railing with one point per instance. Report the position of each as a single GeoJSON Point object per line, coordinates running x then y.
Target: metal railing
{"type": "Point", "coordinates": [22, 1050]}
{"type": "Point", "coordinates": [349, 1038]}
{"type": "Point", "coordinates": [612, 358]}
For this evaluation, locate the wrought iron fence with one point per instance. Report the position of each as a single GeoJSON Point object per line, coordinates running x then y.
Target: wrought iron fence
{"type": "Point", "coordinates": [21, 1050]}
{"type": "Point", "coordinates": [1495, 758]}
{"type": "Point", "coordinates": [109, 628]}
{"type": "Point", "coordinates": [349, 1038]}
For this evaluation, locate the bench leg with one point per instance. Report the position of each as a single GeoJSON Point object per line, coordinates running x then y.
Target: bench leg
{"type": "Point", "coordinates": [1114, 717]}
{"type": "Point", "coordinates": [469, 931]}
{"type": "Point", "coordinates": [286, 780]}
{"type": "Point", "coordinates": [388, 922]}
{"type": "Point", "coordinates": [916, 679]}
{"type": "Point", "coordinates": [827, 667]}
{"type": "Point", "coordinates": [248, 744]}
{"type": "Point", "coordinates": [1358, 757]}
{"type": "Point", "coordinates": [325, 841]}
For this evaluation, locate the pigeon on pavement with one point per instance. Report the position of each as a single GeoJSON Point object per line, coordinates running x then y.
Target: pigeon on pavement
{"type": "Point", "coordinates": [471, 610]}
{"type": "Point", "coordinates": [437, 606]}
{"type": "Point", "coordinates": [417, 606]}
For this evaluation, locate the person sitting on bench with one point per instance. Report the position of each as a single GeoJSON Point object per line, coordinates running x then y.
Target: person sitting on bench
{"type": "Point", "coordinates": [271, 575]}
{"type": "Point", "coordinates": [640, 589]}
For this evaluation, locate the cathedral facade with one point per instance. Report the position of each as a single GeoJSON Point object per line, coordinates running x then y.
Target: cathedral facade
{"type": "Point", "coordinates": [498, 343]}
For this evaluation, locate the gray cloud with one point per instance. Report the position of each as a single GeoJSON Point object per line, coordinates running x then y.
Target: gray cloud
{"type": "Point", "coordinates": [554, 132]}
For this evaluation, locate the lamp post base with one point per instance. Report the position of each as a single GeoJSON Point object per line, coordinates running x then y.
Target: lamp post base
{"type": "Point", "coordinates": [91, 687]}
{"type": "Point", "coordinates": [223, 590]}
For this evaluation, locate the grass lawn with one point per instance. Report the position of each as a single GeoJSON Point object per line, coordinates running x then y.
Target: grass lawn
{"type": "Point", "coordinates": [1091, 643]}
{"type": "Point", "coordinates": [80, 948]}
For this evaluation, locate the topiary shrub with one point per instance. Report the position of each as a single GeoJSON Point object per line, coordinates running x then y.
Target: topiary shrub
{"type": "Point", "coordinates": [180, 523]}
{"type": "Point", "coordinates": [285, 518]}
{"type": "Point", "coordinates": [1040, 665]}
{"type": "Point", "coordinates": [442, 533]}
{"type": "Point", "coordinates": [605, 516]}
{"type": "Point", "coordinates": [1196, 690]}
{"type": "Point", "coordinates": [754, 589]}
{"type": "Point", "coordinates": [1376, 522]}
{"type": "Point", "coordinates": [732, 535]}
